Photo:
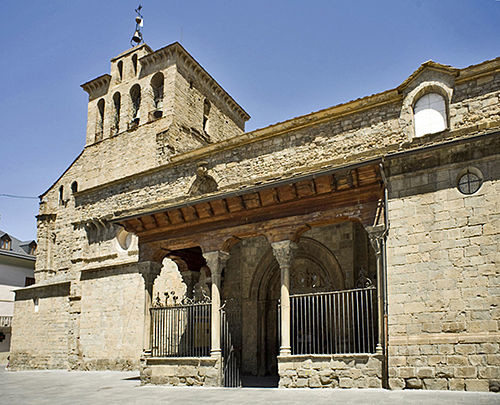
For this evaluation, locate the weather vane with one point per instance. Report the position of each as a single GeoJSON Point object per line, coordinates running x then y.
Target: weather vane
{"type": "Point", "coordinates": [139, 23]}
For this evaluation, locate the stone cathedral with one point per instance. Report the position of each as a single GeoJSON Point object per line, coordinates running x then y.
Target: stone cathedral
{"type": "Point", "coordinates": [356, 246]}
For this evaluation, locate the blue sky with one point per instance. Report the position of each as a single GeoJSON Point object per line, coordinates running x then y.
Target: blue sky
{"type": "Point", "coordinates": [278, 59]}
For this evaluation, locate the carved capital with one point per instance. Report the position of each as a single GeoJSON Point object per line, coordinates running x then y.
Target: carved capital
{"type": "Point", "coordinates": [216, 261]}
{"type": "Point", "coordinates": [149, 271]}
{"type": "Point", "coordinates": [376, 236]}
{"type": "Point", "coordinates": [284, 252]}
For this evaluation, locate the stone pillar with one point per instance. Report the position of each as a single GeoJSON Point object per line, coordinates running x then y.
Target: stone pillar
{"type": "Point", "coordinates": [149, 272]}
{"type": "Point", "coordinates": [376, 235]}
{"type": "Point", "coordinates": [284, 252]}
{"type": "Point", "coordinates": [216, 261]}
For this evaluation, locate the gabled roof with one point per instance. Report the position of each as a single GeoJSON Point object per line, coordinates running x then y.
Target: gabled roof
{"type": "Point", "coordinates": [18, 248]}
{"type": "Point", "coordinates": [429, 65]}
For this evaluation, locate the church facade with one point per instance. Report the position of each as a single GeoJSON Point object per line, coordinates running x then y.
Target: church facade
{"type": "Point", "coordinates": [356, 246]}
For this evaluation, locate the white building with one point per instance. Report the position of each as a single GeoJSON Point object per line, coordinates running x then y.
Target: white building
{"type": "Point", "coordinates": [17, 262]}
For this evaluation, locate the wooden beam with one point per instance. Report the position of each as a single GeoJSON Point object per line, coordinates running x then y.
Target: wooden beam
{"type": "Point", "coordinates": [305, 188]}
{"type": "Point", "coordinates": [323, 184]}
{"type": "Point", "coordinates": [207, 236]}
{"type": "Point", "coordinates": [203, 210]}
{"type": "Point", "coordinates": [189, 213]}
{"type": "Point", "coordinates": [175, 217]}
{"type": "Point", "coordinates": [219, 207]}
{"type": "Point", "coordinates": [161, 219]}
{"type": "Point", "coordinates": [268, 197]}
{"type": "Point", "coordinates": [286, 193]}
{"type": "Point", "coordinates": [235, 204]}
{"type": "Point", "coordinates": [251, 201]}
{"type": "Point", "coordinates": [312, 205]}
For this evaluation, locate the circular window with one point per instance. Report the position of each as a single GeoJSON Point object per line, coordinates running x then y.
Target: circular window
{"type": "Point", "coordinates": [124, 238]}
{"type": "Point", "coordinates": [469, 183]}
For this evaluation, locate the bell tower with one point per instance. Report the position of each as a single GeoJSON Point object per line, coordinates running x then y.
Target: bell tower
{"type": "Point", "coordinates": [154, 105]}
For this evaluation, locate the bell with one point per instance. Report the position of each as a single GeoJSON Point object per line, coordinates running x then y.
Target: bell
{"type": "Point", "coordinates": [139, 21]}
{"type": "Point", "coordinates": [137, 37]}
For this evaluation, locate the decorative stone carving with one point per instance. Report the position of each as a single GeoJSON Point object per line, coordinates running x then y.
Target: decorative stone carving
{"type": "Point", "coordinates": [98, 229]}
{"type": "Point", "coordinates": [284, 252]}
{"type": "Point", "coordinates": [216, 261]}
{"type": "Point", "coordinates": [376, 235]}
{"type": "Point", "coordinates": [363, 280]}
{"type": "Point", "coordinates": [304, 279]}
{"type": "Point", "coordinates": [204, 183]}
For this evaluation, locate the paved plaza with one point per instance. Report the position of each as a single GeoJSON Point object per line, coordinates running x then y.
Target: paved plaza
{"type": "Point", "coordinates": [111, 387]}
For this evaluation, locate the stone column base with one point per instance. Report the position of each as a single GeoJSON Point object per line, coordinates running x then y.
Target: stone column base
{"type": "Point", "coordinates": [181, 371]}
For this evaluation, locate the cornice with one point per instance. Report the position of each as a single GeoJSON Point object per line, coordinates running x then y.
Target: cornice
{"type": "Point", "coordinates": [474, 72]}
{"type": "Point", "coordinates": [97, 86]}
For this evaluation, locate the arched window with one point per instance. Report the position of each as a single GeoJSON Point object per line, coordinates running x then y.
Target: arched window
{"type": "Point", "coordinates": [61, 195]}
{"type": "Point", "coordinates": [117, 101]}
{"type": "Point", "coordinates": [206, 113]}
{"type": "Point", "coordinates": [135, 98]}
{"type": "Point", "coordinates": [134, 63]}
{"type": "Point", "coordinates": [157, 88]}
{"type": "Point", "coordinates": [120, 70]}
{"type": "Point", "coordinates": [74, 187]}
{"type": "Point", "coordinates": [100, 120]}
{"type": "Point", "coordinates": [430, 114]}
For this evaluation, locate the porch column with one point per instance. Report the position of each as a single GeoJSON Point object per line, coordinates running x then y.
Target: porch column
{"type": "Point", "coordinates": [376, 235]}
{"type": "Point", "coordinates": [149, 272]}
{"type": "Point", "coordinates": [283, 252]}
{"type": "Point", "coordinates": [216, 261]}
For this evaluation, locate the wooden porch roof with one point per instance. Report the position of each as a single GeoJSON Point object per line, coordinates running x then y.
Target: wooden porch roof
{"type": "Point", "coordinates": [322, 192]}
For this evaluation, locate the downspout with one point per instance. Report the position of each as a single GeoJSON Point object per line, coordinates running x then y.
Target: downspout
{"type": "Point", "coordinates": [385, 372]}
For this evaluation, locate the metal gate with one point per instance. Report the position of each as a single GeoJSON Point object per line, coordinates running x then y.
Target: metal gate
{"type": "Point", "coordinates": [231, 355]}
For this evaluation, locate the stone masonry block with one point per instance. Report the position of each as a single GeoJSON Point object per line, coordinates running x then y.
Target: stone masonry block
{"type": "Point", "coordinates": [477, 385]}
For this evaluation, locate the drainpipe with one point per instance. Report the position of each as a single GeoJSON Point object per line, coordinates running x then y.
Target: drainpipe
{"type": "Point", "coordinates": [385, 371]}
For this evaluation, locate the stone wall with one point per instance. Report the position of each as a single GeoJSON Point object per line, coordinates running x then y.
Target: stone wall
{"type": "Point", "coordinates": [328, 143]}
{"type": "Point", "coordinates": [443, 273]}
{"type": "Point", "coordinates": [181, 371]}
{"type": "Point", "coordinates": [40, 328]}
{"type": "Point", "coordinates": [331, 371]}
{"type": "Point", "coordinates": [112, 319]}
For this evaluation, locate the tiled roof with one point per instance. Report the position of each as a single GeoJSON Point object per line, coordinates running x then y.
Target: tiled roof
{"type": "Point", "coordinates": [18, 247]}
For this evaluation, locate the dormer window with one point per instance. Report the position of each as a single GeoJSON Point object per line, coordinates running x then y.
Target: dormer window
{"type": "Point", "coordinates": [430, 114]}
{"type": "Point", "coordinates": [5, 242]}
{"type": "Point", "coordinates": [32, 248]}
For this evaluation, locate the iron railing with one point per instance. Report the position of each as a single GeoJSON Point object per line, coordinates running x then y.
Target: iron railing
{"type": "Point", "coordinates": [334, 322]}
{"type": "Point", "coordinates": [181, 330]}
{"type": "Point", "coordinates": [5, 321]}
{"type": "Point", "coordinates": [230, 355]}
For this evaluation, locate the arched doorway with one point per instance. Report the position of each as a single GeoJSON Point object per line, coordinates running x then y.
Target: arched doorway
{"type": "Point", "coordinates": [315, 269]}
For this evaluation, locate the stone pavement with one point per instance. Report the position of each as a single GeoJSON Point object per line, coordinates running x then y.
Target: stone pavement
{"type": "Point", "coordinates": [112, 387]}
